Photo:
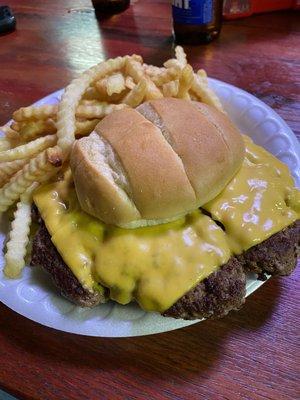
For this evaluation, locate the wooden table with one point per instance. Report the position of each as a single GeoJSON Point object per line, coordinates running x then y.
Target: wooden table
{"type": "Point", "coordinates": [251, 354]}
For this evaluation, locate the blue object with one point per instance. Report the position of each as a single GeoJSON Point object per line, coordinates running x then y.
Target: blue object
{"type": "Point", "coordinates": [5, 396]}
{"type": "Point", "coordinates": [192, 12]}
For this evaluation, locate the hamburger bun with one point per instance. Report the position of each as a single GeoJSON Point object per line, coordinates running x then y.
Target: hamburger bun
{"type": "Point", "coordinates": [155, 163]}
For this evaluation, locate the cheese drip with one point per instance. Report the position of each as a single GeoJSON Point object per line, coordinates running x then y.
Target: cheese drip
{"type": "Point", "coordinates": [157, 265]}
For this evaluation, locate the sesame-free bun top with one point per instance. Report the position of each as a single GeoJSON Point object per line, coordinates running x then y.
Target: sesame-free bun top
{"type": "Point", "coordinates": [155, 163]}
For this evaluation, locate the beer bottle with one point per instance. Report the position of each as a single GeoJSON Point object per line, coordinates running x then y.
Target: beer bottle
{"type": "Point", "coordinates": [109, 7]}
{"type": "Point", "coordinates": [196, 21]}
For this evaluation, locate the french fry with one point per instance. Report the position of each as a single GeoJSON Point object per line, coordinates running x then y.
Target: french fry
{"type": "Point", "coordinates": [129, 82]}
{"type": "Point", "coordinates": [180, 56]}
{"type": "Point", "coordinates": [102, 88]}
{"type": "Point", "coordinates": [35, 112]}
{"type": "Point", "coordinates": [5, 144]}
{"type": "Point", "coordinates": [10, 133]}
{"type": "Point", "coordinates": [152, 91]}
{"type": "Point", "coordinates": [204, 92]}
{"type": "Point", "coordinates": [137, 94]}
{"type": "Point", "coordinates": [7, 169]}
{"type": "Point", "coordinates": [29, 149]}
{"type": "Point", "coordinates": [152, 70]}
{"type": "Point", "coordinates": [115, 84]}
{"type": "Point", "coordinates": [91, 111]}
{"type": "Point", "coordinates": [170, 89]}
{"type": "Point", "coordinates": [91, 93]}
{"type": "Point", "coordinates": [85, 127]}
{"type": "Point", "coordinates": [185, 82]}
{"type": "Point", "coordinates": [113, 107]}
{"type": "Point", "coordinates": [39, 169]}
{"type": "Point", "coordinates": [137, 57]}
{"type": "Point", "coordinates": [134, 69]}
{"type": "Point", "coordinates": [173, 63]}
{"type": "Point", "coordinates": [93, 102]}
{"type": "Point", "coordinates": [203, 75]}
{"type": "Point", "coordinates": [179, 62]}
{"type": "Point", "coordinates": [97, 111]}
{"type": "Point", "coordinates": [167, 75]}
{"type": "Point", "coordinates": [100, 85]}
{"type": "Point", "coordinates": [66, 123]}
{"type": "Point", "coordinates": [19, 236]}
{"type": "Point", "coordinates": [30, 130]}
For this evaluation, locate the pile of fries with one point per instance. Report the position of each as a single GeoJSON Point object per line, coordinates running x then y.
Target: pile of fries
{"type": "Point", "coordinates": [38, 142]}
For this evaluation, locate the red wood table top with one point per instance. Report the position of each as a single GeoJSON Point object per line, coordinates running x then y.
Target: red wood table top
{"type": "Point", "coordinates": [250, 354]}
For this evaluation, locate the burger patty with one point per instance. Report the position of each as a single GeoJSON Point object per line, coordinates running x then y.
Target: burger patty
{"type": "Point", "coordinates": [222, 291]}
{"type": "Point", "coordinates": [44, 254]}
{"type": "Point", "coordinates": [276, 255]}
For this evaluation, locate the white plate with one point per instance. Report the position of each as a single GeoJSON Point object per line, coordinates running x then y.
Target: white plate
{"type": "Point", "coordinates": [34, 296]}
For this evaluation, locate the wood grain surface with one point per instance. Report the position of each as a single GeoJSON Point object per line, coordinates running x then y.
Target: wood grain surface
{"type": "Point", "coordinates": [250, 354]}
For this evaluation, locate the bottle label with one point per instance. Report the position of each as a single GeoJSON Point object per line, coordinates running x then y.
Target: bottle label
{"type": "Point", "coordinates": [192, 12]}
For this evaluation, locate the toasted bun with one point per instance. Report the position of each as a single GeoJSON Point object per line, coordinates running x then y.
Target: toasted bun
{"type": "Point", "coordinates": [155, 163]}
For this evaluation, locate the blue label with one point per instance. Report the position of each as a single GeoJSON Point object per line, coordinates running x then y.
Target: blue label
{"type": "Point", "coordinates": [192, 12]}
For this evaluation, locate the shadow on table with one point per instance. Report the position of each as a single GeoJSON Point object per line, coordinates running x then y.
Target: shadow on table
{"type": "Point", "coordinates": [130, 34]}
{"type": "Point", "coordinates": [191, 350]}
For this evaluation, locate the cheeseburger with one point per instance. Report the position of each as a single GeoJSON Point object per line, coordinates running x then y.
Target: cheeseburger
{"type": "Point", "coordinates": [170, 206]}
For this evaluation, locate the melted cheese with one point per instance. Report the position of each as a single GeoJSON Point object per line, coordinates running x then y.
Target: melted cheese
{"type": "Point", "coordinates": [157, 265]}
{"type": "Point", "coordinates": [258, 202]}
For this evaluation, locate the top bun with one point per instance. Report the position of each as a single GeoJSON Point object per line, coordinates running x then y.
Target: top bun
{"type": "Point", "coordinates": [155, 163]}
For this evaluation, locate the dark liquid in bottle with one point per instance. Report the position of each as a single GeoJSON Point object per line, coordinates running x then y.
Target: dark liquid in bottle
{"type": "Point", "coordinates": [110, 7]}
{"type": "Point", "coordinates": [187, 32]}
